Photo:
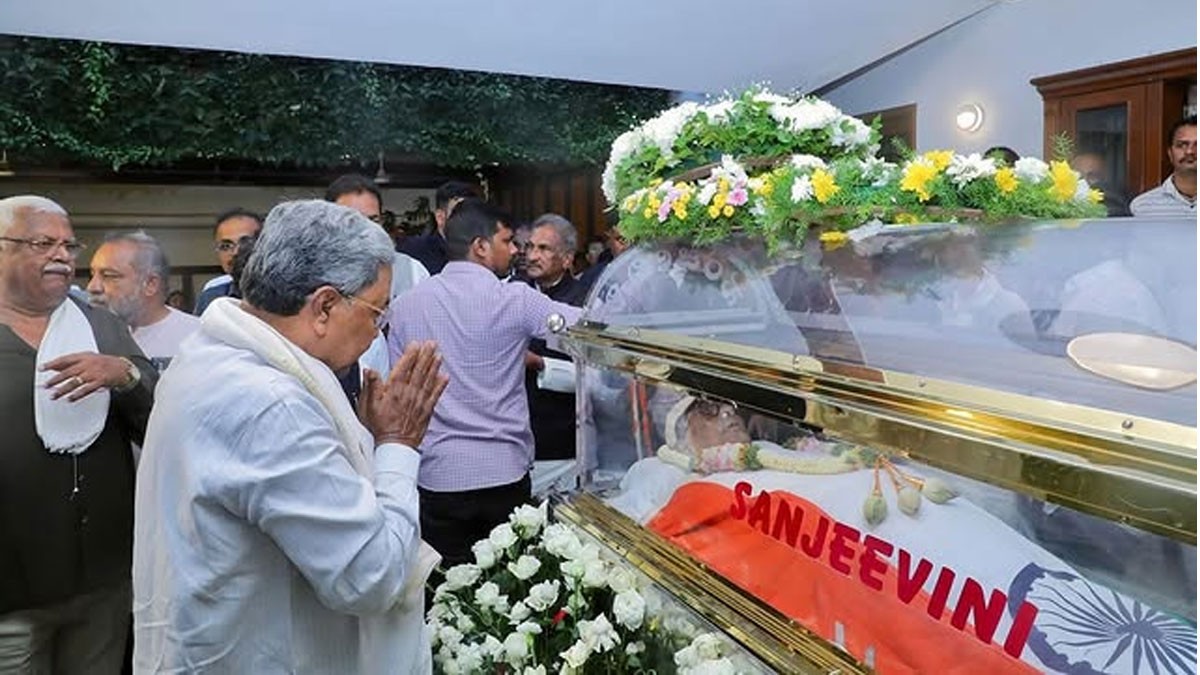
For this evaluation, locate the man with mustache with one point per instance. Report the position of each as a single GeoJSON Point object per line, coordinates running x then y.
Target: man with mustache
{"type": "Point", "coordinates": [75, 391]}
{"type": "Point", "coordinates": [1177, 195]}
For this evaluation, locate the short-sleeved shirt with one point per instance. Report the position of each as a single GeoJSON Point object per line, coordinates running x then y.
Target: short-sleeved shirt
{"type": "Point", "coordinates": [1164, 200]}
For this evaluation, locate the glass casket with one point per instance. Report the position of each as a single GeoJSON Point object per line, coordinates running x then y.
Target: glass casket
{"type": "Point", "coordinates": [927, 449]}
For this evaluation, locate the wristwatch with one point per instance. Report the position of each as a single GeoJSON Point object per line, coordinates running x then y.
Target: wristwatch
{"type": "Point", "coordinates": [132, 377]}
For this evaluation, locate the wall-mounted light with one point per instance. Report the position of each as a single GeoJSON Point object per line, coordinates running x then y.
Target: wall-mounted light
{"type": "Point", "coordinates": [969, 117]}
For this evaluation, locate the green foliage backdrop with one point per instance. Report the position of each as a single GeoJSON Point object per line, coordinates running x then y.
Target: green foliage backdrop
{"type": "Point", "coordinates": [118, 105]}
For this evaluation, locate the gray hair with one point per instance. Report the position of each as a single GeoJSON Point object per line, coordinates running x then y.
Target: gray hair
{"type": "Point", "coordinates": [308, 244]}
{"type": "Point", "coordinates": [150, 259]}
{"type": "Point", "coordinates": [564, 228]}
{"type": "Point", "coordinates": [12, 207]}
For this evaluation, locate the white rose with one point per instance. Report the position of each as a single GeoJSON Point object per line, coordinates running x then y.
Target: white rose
{"type": "Point", "coordinates": [577, 654]}
{"type": "Point", "coordinates": [452, 667]}
{"type": "Point", "coordinates": [491, 647]}
{"type": "Point", "coordinates": [528, 520]}
{"type": "Point", "coordinates": [708, 646]}
{"type": "Point", "coordinates": [542, 596]}
{"type": "Point", "coordinates": [516, 648]}
{"type": "Point", "coordinates": [470, 657]}
{"type": "Point", "coordinates": [525, 567]}
{"type": "Point", "coordinates": [540, 670]}
{"type": "Point", "coordinates": [573, 569]}
{"type": "Point", "coordinates": [502, 536]}
{"type": "Point", "coordinates": [635, 648]}
{"type": "Point", "coordinates": [559, 540]}
{"type": "Point", "coordinates": [621, 580]}
{"type": "Point", "coordinates": [529, 628]}
{"type": "Point", "coordinates": [465, 624]}
{"type": "Point", "coordinates": [485, 554]}
{"type": "Point", "coordinates": [461, 576]}
{"type": "Point", "coordinates": [595, 574]}
{"type": "Point", "coordinates": [450, 636]}
{"type": "Point", "coordinates": [598, 634]}
{"type": "Point", "coordinates": [588, 552]}
{"type": "Point", "coordinates": [519, 612]}
{"type": "Point", "coordinates": [488, 596]}
{"type": "Point", "coordinates": [629, 609]}
{"type": "Point", "coordinates": [687, 657]}
{"type": "Point", "coordinates": [720, 666]}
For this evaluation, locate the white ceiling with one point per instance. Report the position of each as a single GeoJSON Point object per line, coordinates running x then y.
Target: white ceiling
{"type": "Point", "coordinates": [685, 45]}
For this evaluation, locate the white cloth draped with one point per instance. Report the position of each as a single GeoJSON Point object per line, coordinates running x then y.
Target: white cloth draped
{"type": "Point", "coordinates": [67, 427]}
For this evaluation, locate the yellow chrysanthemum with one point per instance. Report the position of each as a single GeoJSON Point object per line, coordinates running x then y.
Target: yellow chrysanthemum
{"type": "Point", "coordinates": [916, 178]}
{"type": "Point", "coordinates": [1095, 196]}
{"type": "Point", "coordinates": [834, 239]}
{"type": "Point", "coordinates": [906, 219]}
{"type": "Point", "coordinates": [648, 213]}
{"type": "Point", "coordinates": [765, 188]}
{"type": "Point", "coordinates": [939, 158]}
{"type": "Point", "coordinates": [718, 200]}
{"type": "Point", "coordinates": [1064, 181]}
{"type": "Point", "coordinates": [681, 214]}
{"type": "Point", "coordinates": [1006, 180]}
{"type": "Point", "coordinates": [727, 211]}
{"type": "Point", "coordinates": [824, 186]}
{"type": "Point", "coordinates": [714, 211]}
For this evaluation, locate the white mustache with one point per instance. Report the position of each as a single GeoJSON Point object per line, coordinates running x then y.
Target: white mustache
{"type": "Point", "coordinates": [58, 268]}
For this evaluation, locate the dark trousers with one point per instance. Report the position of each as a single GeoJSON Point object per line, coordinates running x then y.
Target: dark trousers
{"type": "Point", "coordinates": [452, 521]}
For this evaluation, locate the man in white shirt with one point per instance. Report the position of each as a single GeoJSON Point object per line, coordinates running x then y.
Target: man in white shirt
{"type": "Point", "coordinates": [1177, 195]}
{"type": "Point", "coordinates": [275, 532]}
{"type": "Point", "coordinates": [129, 277]}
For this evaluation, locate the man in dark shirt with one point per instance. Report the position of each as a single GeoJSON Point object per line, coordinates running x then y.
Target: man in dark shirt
{"type": "Point", "coordinates": [430, 249]}
{"type": "Point", "coordinates": [233, 229]}
{"type": "Point", "coordinates": [552, 244]}
{"type": "Point", "coordinates": [75, 391]}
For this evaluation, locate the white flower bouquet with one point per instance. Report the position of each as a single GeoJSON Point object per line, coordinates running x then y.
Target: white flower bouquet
{"type": "Point", "coordinates": [771, 166]}
{"type": "Point", "coordinates": [540, 599]}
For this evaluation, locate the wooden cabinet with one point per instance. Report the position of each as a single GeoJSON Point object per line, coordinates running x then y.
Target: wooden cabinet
{"type": "Point", "coordinates": [1122, 112]}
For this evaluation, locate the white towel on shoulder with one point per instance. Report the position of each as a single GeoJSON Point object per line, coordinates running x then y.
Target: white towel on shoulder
{"type": "Point", "coordinates": [67, 427]}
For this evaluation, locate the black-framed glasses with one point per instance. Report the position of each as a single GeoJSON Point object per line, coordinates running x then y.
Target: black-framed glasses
{"type": "Point", "coordinates": [380, 312]}
{"type": "Point", "coordinates": [231, 246]}
{"type": "Point", "coordinates": [44, 246]}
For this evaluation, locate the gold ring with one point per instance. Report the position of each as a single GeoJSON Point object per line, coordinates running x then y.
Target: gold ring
{"type": "Point", "coordinates": [76, 381]}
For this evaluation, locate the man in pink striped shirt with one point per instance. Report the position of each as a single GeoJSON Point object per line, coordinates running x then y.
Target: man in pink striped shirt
{"type": "Point", "coordinates": [476, 456]}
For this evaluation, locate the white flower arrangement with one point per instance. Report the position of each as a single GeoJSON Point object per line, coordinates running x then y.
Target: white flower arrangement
{"type": "Point", "coordinates": [788, 163]}
{"type": "Point", "coordinates": [540, 599]}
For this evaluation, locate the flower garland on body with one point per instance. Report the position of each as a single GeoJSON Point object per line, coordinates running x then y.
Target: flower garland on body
{"type": "Point", "coordinates": [771, 166]}
{"type": "Point", "coordinates": [539, 599]}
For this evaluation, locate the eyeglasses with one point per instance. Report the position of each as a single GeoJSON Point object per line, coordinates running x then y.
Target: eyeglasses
{"type": "Point", "coordinates": [44, 246]}
{"type": "Point", "coordinates": [380, 312]}
{"type": "Point", "coordinates": [229, 245]}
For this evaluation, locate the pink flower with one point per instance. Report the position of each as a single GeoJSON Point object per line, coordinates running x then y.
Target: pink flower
{"type": "Point", "coordinates": [664, 210]}
{"type": "Point", "coordinates": [737, 196]}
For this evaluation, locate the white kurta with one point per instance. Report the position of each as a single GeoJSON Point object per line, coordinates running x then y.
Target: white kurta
{"type": "Point", "coordinates": [257, 546]}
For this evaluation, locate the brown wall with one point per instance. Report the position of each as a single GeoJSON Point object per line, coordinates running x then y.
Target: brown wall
{"type": "Point", "coordinates": [572, 193]}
